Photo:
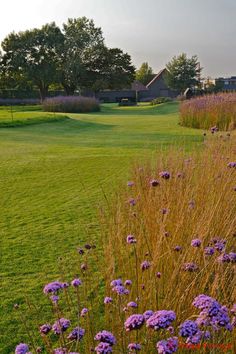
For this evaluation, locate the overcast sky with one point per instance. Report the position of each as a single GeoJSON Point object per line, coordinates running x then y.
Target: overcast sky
{"type": "Point", "coordinates": [149, 30]}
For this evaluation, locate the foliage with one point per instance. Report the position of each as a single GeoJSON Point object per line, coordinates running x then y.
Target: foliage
{"type": "Point", "coordinates": [210, 111]}
{"type": "Point", "coordinates": [159, 100]}
{"type": "Point", "coordinates": [71, 104]}
{"type": "Point", "coordinates": [18, 101]}
{"type": "Point", "coordinates": [144, 74]}
{"type": "Point", "coordinates": [183, 72]}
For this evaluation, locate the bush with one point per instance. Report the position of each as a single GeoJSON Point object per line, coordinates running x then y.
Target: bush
{"type": "Point", "coordinates": [210, 111]}
{"type": "Point", "coordinates": [71, 104]}
{"type": "Point", "coordinates": [160, 100]}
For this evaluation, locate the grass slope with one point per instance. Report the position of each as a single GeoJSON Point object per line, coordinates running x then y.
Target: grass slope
{"type": "Point", "coordinates": [52, 179]}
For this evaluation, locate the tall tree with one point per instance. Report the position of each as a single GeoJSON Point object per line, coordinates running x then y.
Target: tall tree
{"type": "Point", "coordinates": [183, 72]}
{"type": "Point", "coordinates": [33, 54]}
{"type": "Point", "coordinates": [144, 74]}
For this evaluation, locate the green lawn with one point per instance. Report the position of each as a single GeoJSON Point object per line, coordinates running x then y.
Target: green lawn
{"type": "Point", "coordinates": [53, 177]}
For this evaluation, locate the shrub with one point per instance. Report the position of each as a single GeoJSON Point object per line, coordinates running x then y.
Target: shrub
{"type": "Point", "coordinates": [210, 111]}
{"type": "Point", "coordinates": [71, 104]}
{"type": "Point", "coordinates": [160, 100]}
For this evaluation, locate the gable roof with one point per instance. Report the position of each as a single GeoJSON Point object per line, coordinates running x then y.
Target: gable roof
{"type": "Point", "coordinates": [156, 77]}
{"type": "Point", "coordinates": [138, 86]}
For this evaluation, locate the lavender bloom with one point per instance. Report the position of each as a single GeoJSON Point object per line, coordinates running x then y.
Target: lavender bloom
{"type": "Point", "coordinates": [196, 338]}
{"type": "Point", "coordinates": [131, 239]}
{"type": "Point", "coordinates": [134, 322]}
{"type": "Point", "coordinates": [134, 347]}
{"type": "Point", "coordinates": [103, 348]}
{"type": "Point", "coordinates": [106, 337]}
{"type": "Point", "coordinates": [171, 329]}
{"type": "Point", "coordinates": [45, 328]}
{"type": "Point", "coordinates": [232, 164]}
{"type": "Point", "coordinates": [120, 290]}
{"type": "Point", "coordinates": [54, 299]}
{"type": "Point", "coordinates": [196, 242]}
{"type": "Point", "coordinates": [60, 325]}
{"type": "Point", "coordinates": [53, 287]}
{"type": "Point", "coordinates": [83, 312]}
{"type": "Point", "coordinates": [223, 258]}
{"type": "Point", "coordinates": [22, 348]}
{"type": "Point", "coordinates": [80, 251]}
{"type": "Point", "coordinates": [177, 248]}
{"type": "Point", "coordinates": [76, 282]}
{"type": "Point", "coordinates": [76, 334]}
{"type": "Point", "coordinates": [219, 244]}
{"type": "Point", "coordinates": [204, 302]}
{"type": "Point", "coordinates": [60, 351]}
{"type": "Point", "coordinates": [164, 174]}
{"type": "Point", "coordinates": [214, 129]}
{"type": "Point", "coordinates": [128, 282]}
{"type": "Point", "coordinates": [130, 183]}
{"type": "Point", "coordinates": [190, 267]}
{"type": "Point", "coordinates": [132, 201]}
{"type": "Point", "coordinates": [132, 304]}
{"type": "Point", "coordinates": [107, 300]}
{"type": "Point", "coordinates": [145, 265]}
{"type": "Point", "coordinates": [147, 314]}
{"type": "Point", "coordinates": [154, 183]}
{"type": "Point", "coordinates": [188, 329]}
{"type": "Point", "coordinates": [65, 285]}
{"type": "Point", "coordinates": [158, 275]}
{"type": "Point", "coordinates": [209, 251]}
{"type": "Point", "coordinates": [168, 346]}
{"type": "Point", "coordinates": [232, 257]}
{"type": "Point", "coordinates": [161, 319]}
{"type": "Point", "coordinates": [164, 211]}
{"type": "Point", "coordinates": [233, 310]}
{"type": "Point", "coordinates": [116, 282]}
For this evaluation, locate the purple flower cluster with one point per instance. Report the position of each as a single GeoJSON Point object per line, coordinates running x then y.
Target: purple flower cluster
{"type": "Point", "coordinates": [60, 325]}
{"type": "Point", "coordinates": [227, 258]}
{"type": "Point", "coordinates": [232, 164]}
{"type": "Point", "coordinates": [76, 282]}
{"type": "Point", "coordinates": [147, 314]}
{"type": "Point", "coordinates": [107, 300]}
{"type": "Point", "coordinates": [168, 346]}
{"type": "Point", "coordinates": [190, 267]}
{"type": "Point", "coordinates": [45, 328]}
{"type": "Point", "coordinates": [132, 202]}
{"type": "Point", "coordinates": [84, 311]}
{"type": "Point", "coordinates": [120, 290]}
{"type": "Point", "coordinates": [145, 265]}
{"type": "Point", "coordinates": [196, 242]}
{"type": "Point", "coordinates": [76, 334]}
{"type": "Point", "coordinates": [130, 183]}
{"type": "Point", "coordinates": [164, 174]}
{"type": "Point", "coordinates": [134, 347]}
{"type": "Point", "coordinates": [53, 287]}
{"type": "Point", "coordinates": [188, 328]}
{"type": "Point", "coordinates": [161, 319]}
{"type": "Point", "coordinates": [131, 239]}
{"type": "Point", "coordinates": [154, 183]}
{"type": "Point", "coordinates": [22, 348]}
{"type": "Point", "coordinates": [106, 337]}
{"type": "Point", "coordinates": [103, 348]}
{"type": "Point", "coordinates": [209, 251]}
{"type": "Point", "coordinates": [134, 322]}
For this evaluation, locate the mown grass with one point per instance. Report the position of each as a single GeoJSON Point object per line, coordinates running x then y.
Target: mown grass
{"type": "Point", "coordinates": [54, 176]}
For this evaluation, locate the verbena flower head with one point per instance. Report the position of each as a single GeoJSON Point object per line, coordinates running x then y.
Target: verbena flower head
{"type": "Point", "coordinates": [107, 300]}
{"type": "Point", "coordinates": [147, 314]}
{"type": "Point", "coordinates": [196, 242]}
{"type": "Point", "coordinates": [134, 322]}
{"type": "Point", "coordinates": [60, 325]}
{"type": "Point", "coordinates": [130, 183]}
{"type": "Point", "coordinates": [120, 290]}
{"type": "Point", "coordinates": [76, 282]}
{"type": "Point", "coordinates": [161, 319]}
{"type": "Point", "coordinates": [219, 244]}
{"type": "Point", "coordinates": [76, 334]}
{"type": "Point", "coordinates": [60, 351]}
{"type": "Point", "coordinates": [132, 304]}
{"type": "Point", "coordinates": [158, 275]}
{"type": "Point", "coordinates": [177, 248]}
{"type": "Point", "coordinates": [116, 282]}
{"type": "Point", "coordinates": [145, 265]}
{"type": "Point", "coordinates": [190, 267]}
{"type": "Point", "coordinates": [131, 239]}
{"type": "Point", "coordinates": [45, 328]}
{"type": "Point", "coordinates": [223, 258]}
{"type": "Point", "coordinates": [132, 201]}
{"type": "Point", "coordinates": [188, 328]}
{"type": "Point", "coordinates": [84, 311]}
{"type": "Point", "coordinates": [54, 299]}
{"type": "Point", "coordinates": [53, 287]}
{"type": "Point", "coordinates": [168, 346]}
{"type": "Point", "coordinates": [232, 257]}
{"type": "Point", "coordinates": [164, 174]}
{"type": "Point", "coordinates": [232, 164]}
{"type": "Point", "coordinates": [209, 251]}
{"type": "Point", "coordinates": [204, 302]}
{"type": "Point", "coordinates": [196, 338]}
{"type": "Point", "coordinates": [134, 347]}
{"type": "Point", "coordinates": [103, 348]}
{"type": "Point", "coordinates": [22, 348]}
{"type": "Point", "coordinates": [128, 282]}
{"type": "Point", "coordinates": [106, 337]}
{"type": "Point", "coordinates": [154, 183]}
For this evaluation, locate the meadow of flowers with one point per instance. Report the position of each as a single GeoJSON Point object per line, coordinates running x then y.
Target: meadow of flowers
{"type": "Point", "coordinates": [208, 111]}
{"type": "Point", "coordinates": [71, 104]}
{"type": "Point", "coordinates": [169, 265]}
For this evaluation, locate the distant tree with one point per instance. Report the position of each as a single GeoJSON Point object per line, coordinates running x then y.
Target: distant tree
{"type": "Point", "coordinates": [144, 74]}
{"type": "Point", "coordinates": [32, 55]}
{"type": "Point", "coordinates": [183, 72]}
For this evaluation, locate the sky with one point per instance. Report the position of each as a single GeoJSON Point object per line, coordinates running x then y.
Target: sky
{"type": "Point", "coordinates": [149, 30]}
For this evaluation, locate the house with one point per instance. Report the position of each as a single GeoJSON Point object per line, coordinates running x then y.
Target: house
{"type": "Point", "coordinates": [226, 84]}
{"type": "Point", "coordinates": [157, 87]}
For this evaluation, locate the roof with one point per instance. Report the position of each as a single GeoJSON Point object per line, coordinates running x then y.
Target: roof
{"type": "Point", "coordinates": [138, 86]}
{"type": "Point", "coordinates": [156, 77]}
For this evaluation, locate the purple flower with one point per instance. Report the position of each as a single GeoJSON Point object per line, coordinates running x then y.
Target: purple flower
{"type": "Point", "coordinates": [106, 337]}
{"type": "Point", "coordinates": [132, 201]}
{"type": "Point", "coordinates": [60, 325]}
{"type": "Point", "coordinates": [204, 302]}
{"type": "Point", "coordinates": [130, 183]}
{"type": "Point", "coordinates": [65, 285]}
{"type": "Point", "coordinates": [131, 239]}
{"type": "Point", "coordinates": [188, 329]}
{"type": "Point", "coordinates": [147, 314]}
{"type": "Point", "coordinates": [223, 258]}
{"type": "Point", "coordinates": [53, 287]}
{"type": "Point", "coordinates": [164, 174]}
{"type": "Point", "coordinates": [168, 346]}
{"type": "Point", "coordinates": [161, 319]}
{"type": "Point", "coordinates": [80, 251]}
{"type": "Point", "coordinates": [103, 348]}
{"type": "Point", "coordinates": [196, 338]}
{"type": "Point", "coordinates": [191, 204]}
{"type": "Point", "coordinates": [120, 290]}
{"type": "Point", "coordinates": [154, 183]}
{"type": "Point", "coordinates": [233, 310]}
{"type": "Point", "coordinates": [128, 282]}
{"type": "Point", "coordinates": [209, 251]}
{"type": "Point", "coordinates": [134, 347]}
{"type": "Point", "coordinates": [132, 304]}
{"type": "Point", "coordinates": [83, 266]}
{"type": "Point", "coordinates": [76, 282]}
{"type": "Point", "coordinates": [190, 267]}
{"type": "Point", "coordinates": [134, 322]}
{"type": "Point", "coordinates": [232, 257]}
{"type": "Point", "coordinates": [107, 300]}
{"type": "Point", "coordinates": [219, 244]}
{"type": "Point", "coordinates": [76, 334]}
{"type": "Point", "coordinates": [214, 129]}
{"type": "Point", "coordinates": [22, 348]}
{"type": "Point", "coordinates": [158, 275]}
{"type": "Point", "coordinates": [145, 265]}
{"type": "Point", "coordinates": [54, 299]}
{"type": "Point", "coordinates": [164, 211]}
{"type": "Point", "coordinates": [116, 282]}
{"type": "Point", "coordinates": [83, 312]}
{"type": "Point", "coordinates": [60, 351]}
{"type": "Point", "coordinates": [45, 328]}
{"type": "Point", "coordinates": [196, 242]}
{"type": "Point", "coordinates": [232, 164]}
{"type": "Point", "coordinates": [177, 248]}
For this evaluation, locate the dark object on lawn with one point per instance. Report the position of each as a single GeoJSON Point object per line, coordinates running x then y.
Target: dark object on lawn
{"type": "Point", "coordinates": [127, 102]}
{"type": "Point", "coordinates": [160, 100]}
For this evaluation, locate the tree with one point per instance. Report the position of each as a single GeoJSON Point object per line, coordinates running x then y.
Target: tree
{"type": "Point", "coordinates": [144, 74]}
{"type": "Point", "coordinates": [33, 55]}
{"type": "Point", "coordinates": [183, 72]}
